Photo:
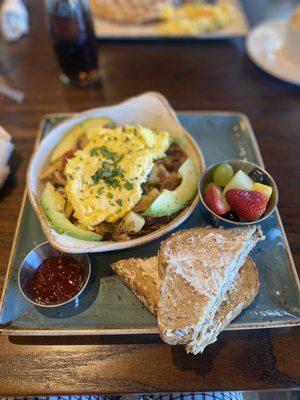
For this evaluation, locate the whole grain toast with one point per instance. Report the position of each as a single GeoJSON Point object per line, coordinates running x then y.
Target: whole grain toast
{"type": "Point", "coordinates": [238, 298]}
{"type": "Point", "coordinates": [196, 286]}
{"type": "Point", "coordinates": [205, 262]}
{"type": "Point", "coordinates": [141, 276]}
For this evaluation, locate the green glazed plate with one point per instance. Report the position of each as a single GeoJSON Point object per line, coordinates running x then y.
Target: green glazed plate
{"type": "Point", "coordinates": [107, 306]}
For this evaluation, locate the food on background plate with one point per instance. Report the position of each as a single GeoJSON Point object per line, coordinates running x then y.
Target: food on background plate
{"type": "Point", "coordinates": [116, 182]}
{"type": "Point", "coordinates": [129, 11]}
{"type": "Point", "coordinates": [237, 196]}
{"type": "Point", "coordinates": [194, 19]}
{"type": "Point", "coordinates": [200, 281]}
{"type": "Point", "coordinates": [173, 17]}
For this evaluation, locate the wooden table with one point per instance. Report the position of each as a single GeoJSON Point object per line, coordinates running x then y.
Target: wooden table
{"type": "Point", "coordinates": [193, 76]}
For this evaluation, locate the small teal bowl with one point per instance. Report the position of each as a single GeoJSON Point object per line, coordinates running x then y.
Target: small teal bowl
{"type": "Point", "coordinates": [247, 167]}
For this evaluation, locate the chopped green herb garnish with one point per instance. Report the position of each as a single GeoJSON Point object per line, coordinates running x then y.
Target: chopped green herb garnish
{"type": "Point", "coordinates": [128, 186]}
{"type": "Point", "coordinates": [100, 191]}
{"type": "Point", "coordinates": [110, 195]}
{"type": "Point", "coordinates": [117, 171]}
{"type": "Point", "coordinates": [114, 183]}
{"type": "Point", "coordinates": [94, 151]}
{"type": "Point", "coordinates": [96, 176]}
{"type": "Point", "coordinates": [120, 202]}
{"type": "Point", "coordinates": [110, 155]}
{"type": "Point", "coordinates": [120, 158]}
{"type": "Point", "coordinates": [107, 172]}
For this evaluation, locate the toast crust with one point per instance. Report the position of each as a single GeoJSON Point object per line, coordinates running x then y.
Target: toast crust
{"type": "Point", "coordinates": [141, 276]}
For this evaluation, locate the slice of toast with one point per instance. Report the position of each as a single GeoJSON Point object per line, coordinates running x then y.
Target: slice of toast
{"type": "Point", "coordinates": [239, 297]}
{"type": "Point", "coordinates": [141, 276]}
{"type": "Point", "coordinates": [198, 267]}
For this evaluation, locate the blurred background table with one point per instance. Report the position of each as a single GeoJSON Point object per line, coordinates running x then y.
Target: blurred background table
{"type": "Point", "coordinates": [193, 75]}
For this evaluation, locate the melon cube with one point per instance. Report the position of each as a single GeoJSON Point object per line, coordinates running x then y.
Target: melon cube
{"type": "Point", "coordinates": [263, 189]}
{"type": "Point", "coordinates": [240, 180]}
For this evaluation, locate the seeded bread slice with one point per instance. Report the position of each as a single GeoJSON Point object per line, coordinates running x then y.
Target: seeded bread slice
{"type": "Point", "coordinates": [204, 264]}
{"type": "Point", "coordinates": [239, 297]}
{"type": "Point", "coordinates": [141, 276]}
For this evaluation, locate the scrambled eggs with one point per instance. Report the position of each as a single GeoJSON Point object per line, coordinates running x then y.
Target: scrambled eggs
{"type": "Point", "coordinates": [296, 17]}
{"type": "Point", "coordinates": [193, 19]}
{"type": "Point", "coordinates": [104, 178]}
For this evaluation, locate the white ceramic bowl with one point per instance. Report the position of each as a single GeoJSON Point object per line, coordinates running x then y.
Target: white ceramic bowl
{"type": "Point", "coordinates": [149, 109]}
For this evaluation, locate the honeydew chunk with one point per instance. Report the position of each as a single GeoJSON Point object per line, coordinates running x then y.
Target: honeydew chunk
{"type": "Point", "coordinates": [240, 180]}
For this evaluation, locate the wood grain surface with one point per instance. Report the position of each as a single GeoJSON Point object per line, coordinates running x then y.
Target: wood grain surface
{"type": "Point", "coordinates": [193, 75]}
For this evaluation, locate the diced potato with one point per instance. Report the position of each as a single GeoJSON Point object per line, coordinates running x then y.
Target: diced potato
{"type": "Point", "coordinates": [132, 222]}
{"type": "Point", "coordinates": [153, 178]}
{"type": "Point", "coordinates": [50, 170]}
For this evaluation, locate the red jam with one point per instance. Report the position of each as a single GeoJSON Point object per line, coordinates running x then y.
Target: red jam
{"type": "Point", "coordinates": [57, 280]}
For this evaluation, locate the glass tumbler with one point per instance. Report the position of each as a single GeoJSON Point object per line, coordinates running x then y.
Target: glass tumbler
{"type": "Point", "coordinates": [74, 41]}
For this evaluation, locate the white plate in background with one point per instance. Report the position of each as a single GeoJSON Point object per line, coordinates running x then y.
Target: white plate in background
{"type": "Point", "coordinates": [264, 47]}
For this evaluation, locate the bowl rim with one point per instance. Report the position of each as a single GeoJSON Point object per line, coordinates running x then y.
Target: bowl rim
{"type": "Point", "coordinates": [47, 243]}
{"type": "Point", "coordinates": [238, 223]}
{"type": "Point", "coordinates": [111, 245]}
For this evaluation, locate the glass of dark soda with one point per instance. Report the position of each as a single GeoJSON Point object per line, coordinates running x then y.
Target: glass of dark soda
{"type": "Point", "coordinates": [74, 41]}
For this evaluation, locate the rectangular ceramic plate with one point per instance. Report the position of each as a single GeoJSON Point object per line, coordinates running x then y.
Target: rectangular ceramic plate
{"type": "Point", "coordinates": [107, 306]}
{"type": "Point", "coordinates": [110, 30]}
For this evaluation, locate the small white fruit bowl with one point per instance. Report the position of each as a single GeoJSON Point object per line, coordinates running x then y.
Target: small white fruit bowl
{"type": "Point", "coordinates": [150, 109]}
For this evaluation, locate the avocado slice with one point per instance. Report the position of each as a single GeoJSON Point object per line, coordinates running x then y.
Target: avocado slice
{"type": "Point", "coordinates": [53, 205]}
{"type": "Point", "coordinates": [69, 141]}
{"type": "Point", "coordinates": [169, 202]}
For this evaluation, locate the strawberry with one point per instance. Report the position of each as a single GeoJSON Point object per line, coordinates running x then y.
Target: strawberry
{"type": "Point", "coordinates": [247, 204]}
{"type": "Point", "coordinates": [215, 200]}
